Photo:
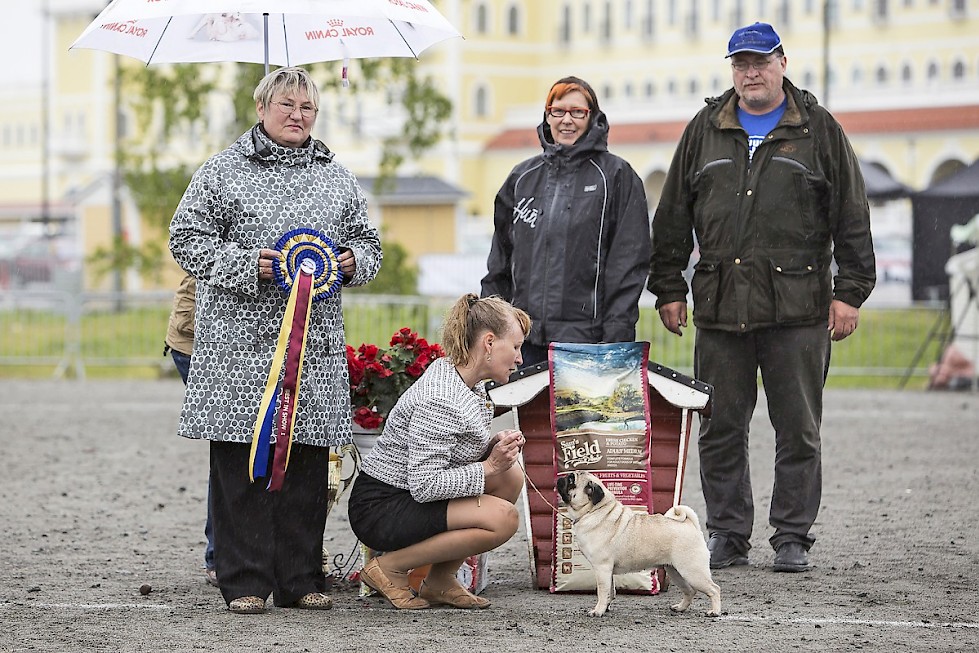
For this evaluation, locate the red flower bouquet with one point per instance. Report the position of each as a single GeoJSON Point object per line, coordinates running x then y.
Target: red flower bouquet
{"type": "Point", "coordinates": [379, 376]}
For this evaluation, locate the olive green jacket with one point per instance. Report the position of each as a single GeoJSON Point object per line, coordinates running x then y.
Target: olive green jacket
{"type": "Point", "coordinates": [768, 231]}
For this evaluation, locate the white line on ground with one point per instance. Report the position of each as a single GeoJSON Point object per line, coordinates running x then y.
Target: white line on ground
{"type": "Point", "coordinates": [91, 606]}
{"type": "Point", "coordinates": [857, 622]}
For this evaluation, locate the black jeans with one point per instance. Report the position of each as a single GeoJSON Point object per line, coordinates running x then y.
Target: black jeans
{"type": "Point", "coordinates": [794, 362]}
{"type": "Point", "coordinates": [269, 542]}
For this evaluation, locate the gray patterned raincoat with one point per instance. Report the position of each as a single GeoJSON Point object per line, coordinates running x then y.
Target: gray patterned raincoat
{"type": "Point", "coordinates": [240, 201]}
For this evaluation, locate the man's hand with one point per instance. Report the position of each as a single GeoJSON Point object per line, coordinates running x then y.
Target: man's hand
{"type": "Point", "coordinates": [843, 319]}
{"type": "Point", "coordinates": [674, 316]}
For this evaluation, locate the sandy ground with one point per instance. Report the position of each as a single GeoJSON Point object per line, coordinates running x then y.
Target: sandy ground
{"type": "Point", "coordinates": [98, 497]}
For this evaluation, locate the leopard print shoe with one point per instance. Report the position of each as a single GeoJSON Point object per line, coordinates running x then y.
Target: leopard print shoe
{"type": "Point", "coordinates": [314, 601]}
{"type": "Point", "coordinates": [247, 605]}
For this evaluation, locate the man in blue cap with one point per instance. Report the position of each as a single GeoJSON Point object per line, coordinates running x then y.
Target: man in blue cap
{"type": "Point", "coordinates": [767, 182]}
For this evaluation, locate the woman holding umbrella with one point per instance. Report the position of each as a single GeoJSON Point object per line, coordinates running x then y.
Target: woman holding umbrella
{"type": "Point", "coordinates": [247, 211]}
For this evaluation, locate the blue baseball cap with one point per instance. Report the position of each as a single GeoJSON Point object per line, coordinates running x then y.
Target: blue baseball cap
{"type": "Point", "coordinates": [760, 38]}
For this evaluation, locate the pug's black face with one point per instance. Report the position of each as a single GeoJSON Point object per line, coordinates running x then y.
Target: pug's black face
{"type": "Point", "coordinates": [565, 485]}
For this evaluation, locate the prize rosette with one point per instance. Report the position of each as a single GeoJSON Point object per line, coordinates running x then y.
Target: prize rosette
{"type": "Point", "coordinates": [301, 245]}
{"type": "Point", "coordinates": [309, 270]}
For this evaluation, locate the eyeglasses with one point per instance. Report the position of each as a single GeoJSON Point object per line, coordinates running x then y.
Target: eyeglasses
{"type": "Point", "coordinates": [759, 64]}
{"type": "Point", "coordinates": [288, 108]}
{"type": "Point", "coordinates": [576, 112]}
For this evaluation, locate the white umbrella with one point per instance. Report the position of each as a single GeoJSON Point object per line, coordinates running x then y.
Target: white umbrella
{"type": "Point", "coordinates": [177, 31]}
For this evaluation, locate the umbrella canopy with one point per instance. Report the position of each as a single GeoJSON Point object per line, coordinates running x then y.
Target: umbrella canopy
{"type": "Point", "coordinates": [178, 31]}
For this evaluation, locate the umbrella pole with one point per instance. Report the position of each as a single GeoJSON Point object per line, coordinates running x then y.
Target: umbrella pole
{"type": "Point", "coordinates": [265, 21]}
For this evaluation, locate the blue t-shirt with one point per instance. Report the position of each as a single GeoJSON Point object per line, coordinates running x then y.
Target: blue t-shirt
{"type": "Point", "coordinates": [758, 126]}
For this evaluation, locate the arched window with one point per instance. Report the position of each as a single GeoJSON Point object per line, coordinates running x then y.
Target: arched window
{"type": "Point", "coordinates": [513, 21]}
{"type": "Point", "coordinates": [671, 87]}
{"type": "Point", "coordinates": [856, 76]}
{"type": "Point", "coordinates": [649, 89]}
{"type": "Point", "coordinates": [808, 79]}
{"type": "Point", "coordinates": [881, 75]}
{"type": "Point", "coordinates": [481, 102]}
{"type": "Point", "coordinates": [627, 90]}
{"type": "Point", "coordinates": [715, 84]}
{"type": "Point", "coordinates": [958, 70]}
{"type": "Point", "coordinates": [693, 86]}
{"type": "Point", "coordinates": [482, 18]}
{"type": "Point", "coordinates": [906, 73]}
{"type": "Point", "coordinates": [933, 71]}
{"type": "Point", "coordinates": [607, 92]}
{"type": "Point", "coordinates": [565, 36]}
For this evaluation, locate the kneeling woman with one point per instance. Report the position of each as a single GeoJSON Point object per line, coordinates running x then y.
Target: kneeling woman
{"type": "Point", "coordinates": [437, 487]}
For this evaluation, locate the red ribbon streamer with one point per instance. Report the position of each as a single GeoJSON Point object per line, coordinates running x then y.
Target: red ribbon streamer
{"type": "Point", "coordinates": [287, 399]}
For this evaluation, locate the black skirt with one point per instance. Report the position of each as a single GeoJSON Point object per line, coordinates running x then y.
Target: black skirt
{"type": "Point", "coordinates": [386, 518]}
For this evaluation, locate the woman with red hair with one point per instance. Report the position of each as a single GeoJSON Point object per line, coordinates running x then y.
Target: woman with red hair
{"type": "Point", "coordinates": [571, 243]}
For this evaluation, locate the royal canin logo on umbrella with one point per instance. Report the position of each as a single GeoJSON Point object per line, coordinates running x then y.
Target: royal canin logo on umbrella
{"type": "Point", "coordinates": [128, 28]}
{"type": "Point", "coordinates": [409, 5]}
{"type": "Point", "coordinates": [337, 30]}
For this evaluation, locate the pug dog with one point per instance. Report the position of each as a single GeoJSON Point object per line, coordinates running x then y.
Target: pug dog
{"type": "Point", "coordinates": [615, 540]}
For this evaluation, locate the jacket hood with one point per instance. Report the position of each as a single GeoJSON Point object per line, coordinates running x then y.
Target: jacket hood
{"type": "Point", "coordinates": [722, 108]}
{"type": "Point", "coordinates": [593, 140]}
{"type": "Point", "coordinates": [256, 144]}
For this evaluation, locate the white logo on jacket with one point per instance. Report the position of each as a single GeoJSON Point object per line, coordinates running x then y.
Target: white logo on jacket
{"type": "Point", "coordinates": [523, 212]}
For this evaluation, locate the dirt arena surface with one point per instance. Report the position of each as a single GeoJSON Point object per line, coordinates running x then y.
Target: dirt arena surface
{"type": "Point", "coordinates": [99, 497]}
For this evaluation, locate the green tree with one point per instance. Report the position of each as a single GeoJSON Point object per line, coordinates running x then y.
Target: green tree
{"type": "Point", "coordinates": [396, 276]}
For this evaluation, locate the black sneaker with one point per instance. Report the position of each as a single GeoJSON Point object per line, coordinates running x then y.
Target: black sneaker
{"type": "Point", "coordinates": [723, 553]}
{"type": "Point", "coordinates": [791, 557]}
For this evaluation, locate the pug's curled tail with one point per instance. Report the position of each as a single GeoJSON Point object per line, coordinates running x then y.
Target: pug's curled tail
{"type": "Point", "coordinates": [683, 513]}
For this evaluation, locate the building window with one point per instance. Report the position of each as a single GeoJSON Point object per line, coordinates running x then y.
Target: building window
{"type": "Point", "coordinates": [880, 11]}
{"type": "Point", "coordinates": [627, 16]}
{"type": "Point", "coordinates": [906, 73]}
{"type": "Point", "coordinates": [481, 102]}
{"type": "Point", "coordinates": [693, 86]}
{"type": "Point", "coordinates": [784, 14]}
{"type": "Point", "coordinates": [606, 27]}
{"type": "Point", "coordinates": [513, 21]}
{"type": "Point", "coordinates": [715, 11]}
{"type": "Point", "coordinates": [607, 92]}
{"type": "Point", "coordinates": [482, 19]}
{"type": "Point", "coordinates": [671, 87]}
{"type": "Point", "coordinates": [671, 13]}
{"type": "Point", "coordinates": [627, 90]}
{"type": "Point", "coordinates": [565, 35]}
{"type": "Point", "coordinates": [649, 90]}
{"type": "Point", "coordinates": [881, 75]}
{"type": "Point", "coordinates": [808, 79]}
{"type": "Point", "coordinates": [715, 84]}
{"type": "Point", "coordinates": [958, 70]}
{"type": "Point", "coordinates": [648, 20]}
{"type": "Point", "coordinates": [693, 19]}
{"type": "Point", "coordinates": [586, 18]}
{"type": "Point", "coordinates": [856, 76]}
{"type": "Point", "coordinates": [762, 9]}
{"type": "Point", "coordinates": [737, 14]}
{"type": "Point", "coordinates": [933, 71]}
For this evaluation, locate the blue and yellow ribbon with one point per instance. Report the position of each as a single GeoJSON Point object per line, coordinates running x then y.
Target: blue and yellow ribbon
{"type": "Point", "coordinates": [309, 270]}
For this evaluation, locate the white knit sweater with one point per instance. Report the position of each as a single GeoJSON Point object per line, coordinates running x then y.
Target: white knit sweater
{"type": "Point", "coordinates": [434, 437]}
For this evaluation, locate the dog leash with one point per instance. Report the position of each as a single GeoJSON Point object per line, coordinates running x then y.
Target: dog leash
{"type": "Point", "coordinates": [531, 483]}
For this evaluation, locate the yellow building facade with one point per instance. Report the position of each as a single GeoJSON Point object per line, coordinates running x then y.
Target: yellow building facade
{"type": "Point", "coordinates": [903, 79]}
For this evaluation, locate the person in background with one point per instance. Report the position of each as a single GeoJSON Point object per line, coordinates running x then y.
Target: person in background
{"type": "Point", "coordinates": [179, 344]}
{"type": "Point", "coordinates": [438, 487]}
{"type": "Point", "coordinates": [571, 240]}
{"type": "Point", "coordinates": [273, 180]}
{"type": "Point", "coordinates": [766, 180]}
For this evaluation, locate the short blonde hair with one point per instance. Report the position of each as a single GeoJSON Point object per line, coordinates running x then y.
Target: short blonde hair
{"type": "Point", "coordinates": [470, 317]}
{"type": "Point", "coordinates": [284, 81]}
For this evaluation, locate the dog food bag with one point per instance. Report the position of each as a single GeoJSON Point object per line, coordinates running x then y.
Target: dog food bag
{"type": "Point", "coordinates": [599, 420]}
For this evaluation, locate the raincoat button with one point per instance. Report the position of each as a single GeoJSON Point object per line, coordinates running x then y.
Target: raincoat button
{"type": "Point", "coordinates": [743, 326]}
{"type": "Point", "coordinates": [737, 261]}
{"type": "Point", "coordinates": [778, 269]}
{"type": "Point", "coordinates": [748, 192]}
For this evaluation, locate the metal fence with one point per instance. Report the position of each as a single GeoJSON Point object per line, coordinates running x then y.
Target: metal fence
{"type": "Point", "coordinates": [110, 334]}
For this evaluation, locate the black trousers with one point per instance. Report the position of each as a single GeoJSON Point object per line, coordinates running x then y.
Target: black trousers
{"type": "Point", "coordinates": [793, 362]}
{"type": "Point", "coordinates": [269, 542]}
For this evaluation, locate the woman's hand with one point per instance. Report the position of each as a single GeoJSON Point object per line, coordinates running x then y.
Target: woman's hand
{"type": "Point", "coordinates": [504, 453]}
{"type": "Point", "coordinates": [267, 259]}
